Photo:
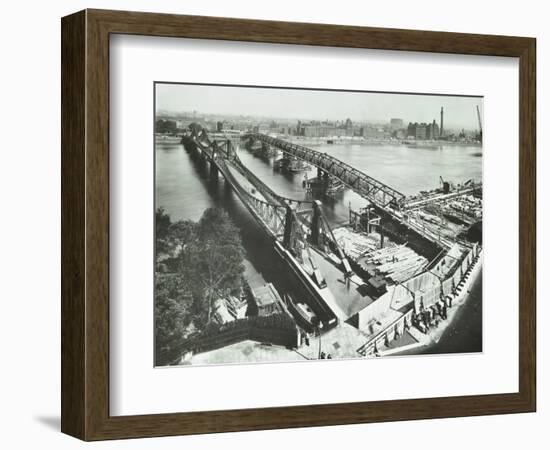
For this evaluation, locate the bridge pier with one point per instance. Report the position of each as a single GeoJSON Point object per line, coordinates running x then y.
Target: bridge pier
{"type": "Point", "coordinates": [248, 142]}
{"type": "Point", "coordinates": [213, 171]}
{"type": "Point", "coordinates": [213, 166]}
{"type": "Point", "coordinates": [288, 237]}
{"type": "Point", "coordinates": [229, 148]}
{"type": "Point", "coordinates": [323, 176]}
{"type": "Point", "coordinates": [316, 235]}
{"type": "Point", "coordinates": [326, 179]}
{"type": "Point", "coordinates": [200, 160]}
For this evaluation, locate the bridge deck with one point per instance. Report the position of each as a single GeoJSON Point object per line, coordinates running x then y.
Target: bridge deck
{"type": "Point", "coordinates": [346, 297]}
{"type": "Point", "coordinates": [343, 299]}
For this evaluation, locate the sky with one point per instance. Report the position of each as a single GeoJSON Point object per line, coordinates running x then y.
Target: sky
{"type": "Point", "coordinates": [460, 112]}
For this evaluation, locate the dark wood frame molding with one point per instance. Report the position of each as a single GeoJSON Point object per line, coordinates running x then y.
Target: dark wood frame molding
{"type": "Point", "coordinates": [85, 224]}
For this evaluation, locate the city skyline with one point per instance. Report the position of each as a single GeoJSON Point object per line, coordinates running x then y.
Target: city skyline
{"type": "Point", "coordinates": [310, 104]}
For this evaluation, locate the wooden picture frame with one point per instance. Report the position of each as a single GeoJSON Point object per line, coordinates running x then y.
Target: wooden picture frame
{"type": "Point", "coordinates": [85, 224]}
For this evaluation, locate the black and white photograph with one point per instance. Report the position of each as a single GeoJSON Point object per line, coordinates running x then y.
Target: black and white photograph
{"type": "Point", "coordinates": [272, 225]}
{"type": "Point", "coordinates": [306, 224]}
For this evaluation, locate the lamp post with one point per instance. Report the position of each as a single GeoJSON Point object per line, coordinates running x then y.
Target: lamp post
{"type": "Point", "coordinates": [319, 327]}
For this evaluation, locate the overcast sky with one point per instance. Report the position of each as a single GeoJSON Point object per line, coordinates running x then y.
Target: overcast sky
{"type": "Point", "coordinates": [460, 112]}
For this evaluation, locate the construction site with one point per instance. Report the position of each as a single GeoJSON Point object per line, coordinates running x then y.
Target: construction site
{"type": "Point", "coordinates": [416, 273]}
{"type": "Point", "coordinates": [387, 281]}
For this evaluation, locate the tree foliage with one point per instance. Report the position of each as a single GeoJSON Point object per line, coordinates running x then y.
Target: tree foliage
{"type": "Point", "coordinates": [182, 233]}
{"type": "Point", "coordinates": [173, 305]}
{"type": "Point", "coordinates": [162, 227]}
{"type": "Point", "coordinates": [203, 261]}
{"type": "Point", "coordinates": [165, 126]}
{"type": "Point", "coordinates": [214, 261]}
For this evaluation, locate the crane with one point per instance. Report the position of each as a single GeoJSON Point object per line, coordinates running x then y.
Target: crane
{"type": "Point", "coordinates": [479, 122]}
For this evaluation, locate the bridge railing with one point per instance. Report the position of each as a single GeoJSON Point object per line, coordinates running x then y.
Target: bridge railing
{"type": "Point", "coordinates": [271, 216]}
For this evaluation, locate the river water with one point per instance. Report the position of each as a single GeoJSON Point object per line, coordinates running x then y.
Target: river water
{"type": "Point", "coordinates": [184, 190]}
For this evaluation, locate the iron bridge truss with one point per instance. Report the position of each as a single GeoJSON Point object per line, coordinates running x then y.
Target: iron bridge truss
{"type": "Point", "coordinates": [277, 215]}
{"type": "Point", "coordinates": [378, 193]}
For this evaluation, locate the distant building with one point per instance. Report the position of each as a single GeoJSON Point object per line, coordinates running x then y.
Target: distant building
{"type": "Point", "coordinates": [219, 126]}
{"type": "Point", "coordinates": [318, 130]}
{"type": "Point", "coordinates": [432, 132]}
{"type": "Point", "coordinates": [423, 131]}
{"type": "Point", "coordinates": [396, 124]}
{"type": "Point", "coordinates": [400, 134]}
{"type": "Point", "coordinates": [240, 126]}
{"type": "Point", "coordinates": [372, 132]}
{"type": "Point", "coordinates": [411, 130]}
{"type": "Point", "coordinates": [327, 128]}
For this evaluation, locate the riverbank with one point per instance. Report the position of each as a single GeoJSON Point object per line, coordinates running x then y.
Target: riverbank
{"type": "Point", "coordinates": [316, 141]}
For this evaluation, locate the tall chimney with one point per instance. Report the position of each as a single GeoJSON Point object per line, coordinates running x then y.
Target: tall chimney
{"type": "Point", "coordinates": [441, 126]}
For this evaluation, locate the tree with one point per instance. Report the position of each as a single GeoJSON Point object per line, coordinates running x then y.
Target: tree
{"type": "Point", "coordinates": [173, 301]}
{"type": "Point", "coordinates": [162, 227]}
{"type": "Point", "coordinates": [162, 223]}
{"type": "Point", "coordinates": [214, 261]}
{"type": "Point", "coordinates": [181, 233]}
{"type": "Point", "coordinates": [204, 261]}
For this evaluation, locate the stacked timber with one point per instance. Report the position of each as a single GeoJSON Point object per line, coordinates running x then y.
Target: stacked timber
{"type": "Point", "coordinates": [356, 244]}
{"type": "Point", "coordinates": [395, 264]}
{"type": "Point", "coordinates": [434, 227]}
{"type": "Point", "coordinates": [466, 208]}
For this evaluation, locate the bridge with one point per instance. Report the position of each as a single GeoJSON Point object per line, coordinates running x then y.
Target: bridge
{"type": "Point", "coordinates": [384, 198]}
{"type": "Point", "coordinates": [282, 218]}
{"type": "Point", "coordinates": [376, 192]}
{"type": "Point", "coordinates": [299, 230]}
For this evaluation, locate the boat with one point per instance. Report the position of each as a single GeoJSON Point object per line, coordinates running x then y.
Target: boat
{"type": "Point", "coordinates": [335, 186]}
{"type": "Point", "coordinates": [291, 165]}
{"type": "Point", "coordinates": [297, 165]}
{"type": "Point", "coordinates": [255, 148]}
{"type": "Point", "coordinates": [302, 313]}
{"type": "Point", "coordinates": [279, 164]}
{"type": "Point", "coordinates": [328, 187]}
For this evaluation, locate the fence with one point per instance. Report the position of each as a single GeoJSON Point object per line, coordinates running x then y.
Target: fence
{"type": "Point", "coordinates": [277, 329]}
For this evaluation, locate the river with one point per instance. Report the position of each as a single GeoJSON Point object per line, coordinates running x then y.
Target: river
{"type": "Point", "coordinates": [184, 190]}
